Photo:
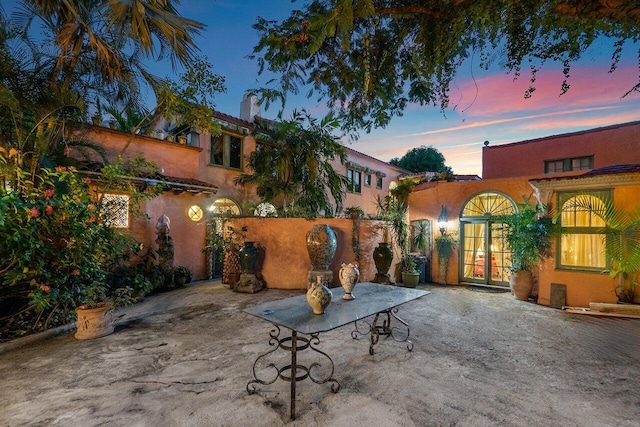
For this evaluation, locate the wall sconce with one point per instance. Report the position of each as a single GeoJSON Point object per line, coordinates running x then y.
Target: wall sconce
{"type": "Point", "coordinates": [442, 220]}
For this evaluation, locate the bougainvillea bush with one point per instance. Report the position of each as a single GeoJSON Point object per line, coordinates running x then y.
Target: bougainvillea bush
{"type": "Point", "coordinates": [57, 250]}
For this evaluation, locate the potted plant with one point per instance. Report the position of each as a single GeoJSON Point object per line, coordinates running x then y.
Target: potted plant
{"type": "Point", "coordinates": [181, 276]}
{"type": "Point", "coordinates": [528, 234]}
{"type": "Point", "coordinates": [410, 274]}
{"type": "Point", "coordinates": [445, 245]}
{"type": "Point", "coordinates": [95, 315]}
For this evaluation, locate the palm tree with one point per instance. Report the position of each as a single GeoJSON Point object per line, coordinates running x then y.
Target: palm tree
{"type": "Point", "coordinates": [100, 45]}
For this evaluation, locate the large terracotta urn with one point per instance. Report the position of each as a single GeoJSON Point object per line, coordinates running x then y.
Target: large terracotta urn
{"type": "Point", "coordinates": [321, 246]}
{"type": "Point", "coordinates": [521, 284]}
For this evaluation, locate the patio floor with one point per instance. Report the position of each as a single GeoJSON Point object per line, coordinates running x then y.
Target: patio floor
{"type": "Point", "coordinates": [480, 359]}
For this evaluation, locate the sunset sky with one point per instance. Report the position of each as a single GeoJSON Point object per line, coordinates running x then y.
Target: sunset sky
{"type": "Point", "coordinates": [488, 105]}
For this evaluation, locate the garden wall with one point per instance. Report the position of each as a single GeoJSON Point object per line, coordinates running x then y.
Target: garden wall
{"type": "Point", "coordinates": [286, 263]}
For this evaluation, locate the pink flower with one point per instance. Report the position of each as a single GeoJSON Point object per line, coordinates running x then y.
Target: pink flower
{"type": "Point", "coordinates": [49, 193]}
{"type": "Point", "coordinates": [45, 288]}
{"type": "Point", "coordinates": [75, 272]}
{"type": "Point", "coordinates": [34, 213]}
{"type": "Point", "coordinates": [60, 168]}
{"type": "Point", "coordinates": [87, 180]}
{"type": "Point", "coordinates": [48, 210]}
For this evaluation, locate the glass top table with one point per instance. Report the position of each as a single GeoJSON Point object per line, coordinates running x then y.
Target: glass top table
{"type": "Point", "coordinates": [371, 299]}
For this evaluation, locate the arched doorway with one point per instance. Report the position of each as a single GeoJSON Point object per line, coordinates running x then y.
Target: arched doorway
{"type": "Point", "coordinates": [484, 254]}
{"type": "Point", "coordinates": [221, 209]}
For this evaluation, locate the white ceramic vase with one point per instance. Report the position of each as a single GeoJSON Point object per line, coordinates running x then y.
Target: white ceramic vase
{"type": "Point", "coordinates": [349, 276]}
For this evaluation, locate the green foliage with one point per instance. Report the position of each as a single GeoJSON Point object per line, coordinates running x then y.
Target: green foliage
{"type": "Point", "coordinates": [422, 159]}
{"type": "Point", "coordinates": [370, 59]}
{"type": "Point", "coordinates": [528, 232]}
{"type": "Point", "coordinates": [445, 244]}
{"type": "Point", "coordinates": [56, 245]}
{"type": "Point", "coordinates": [421, 235]}
{"type": "Point", "coordinates": [292, 166]}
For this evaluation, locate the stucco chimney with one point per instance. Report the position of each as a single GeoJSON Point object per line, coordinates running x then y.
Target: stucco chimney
{"type": "Point", "coordinates": [249, 107]}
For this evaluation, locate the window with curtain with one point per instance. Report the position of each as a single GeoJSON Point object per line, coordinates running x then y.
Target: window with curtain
{"type": "Point", "coordinates": [582, 243]}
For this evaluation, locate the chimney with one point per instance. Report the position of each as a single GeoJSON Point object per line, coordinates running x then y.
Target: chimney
{"type": "Point", "coordinates": [249, 107]}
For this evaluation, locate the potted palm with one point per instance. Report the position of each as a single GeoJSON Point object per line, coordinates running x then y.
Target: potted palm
{"type": "Point", "coordinates": [410, 273]}
{"type": "Point", "coordinates": [528, 234]}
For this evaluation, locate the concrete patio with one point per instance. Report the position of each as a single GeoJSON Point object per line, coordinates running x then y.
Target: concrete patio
{"type": "Point", "coordinates": [184, 358]}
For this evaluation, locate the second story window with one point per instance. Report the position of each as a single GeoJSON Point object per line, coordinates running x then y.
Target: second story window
{"type": "Point", "coordinates": [226, 150]}
{"type": "Point", "coordinates": [354, 179]}
{"type": "Point", "coordinates": [569, 164]}
{"type": "Point", "coordinates": [379, 182]}
{"type": "Point", "coordinates": [367, 180]}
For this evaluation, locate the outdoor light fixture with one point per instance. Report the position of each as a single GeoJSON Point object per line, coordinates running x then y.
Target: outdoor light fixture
{"type": "Point", "coordinates": [442, 220]}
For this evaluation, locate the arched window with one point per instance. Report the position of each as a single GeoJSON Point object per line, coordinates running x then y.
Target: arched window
{"type": "Point", "coordinates": [582, 244]}
{"type": "Point", "coordinates": [485, 255]}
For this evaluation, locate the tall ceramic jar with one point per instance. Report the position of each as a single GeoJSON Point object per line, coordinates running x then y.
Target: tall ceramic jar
{"type": "Point", "coordinates": [248, 256]}
{"type": "Point", "coordinates": [321, 246]}
{"type": "Point", "coordinates": [349, 276]}
{"type": "Point", "coordinates": [382, 257]}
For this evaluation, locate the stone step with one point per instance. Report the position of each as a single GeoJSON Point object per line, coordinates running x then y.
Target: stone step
{"type": "Point", "coordinates": [632, 309]}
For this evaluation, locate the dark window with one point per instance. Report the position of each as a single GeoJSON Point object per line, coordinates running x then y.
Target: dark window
{"type": "Point", "coordinates": [379, 183]}
{"type": "Point", "coordinates": [568, 164]}
{"type": "Point", "coordinates": [226, 150]}
{"type": "Point", "coordinates": [354, 179]}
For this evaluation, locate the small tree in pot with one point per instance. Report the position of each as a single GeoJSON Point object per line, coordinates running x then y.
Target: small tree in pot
{"type": "Point", "coordinates": [528, 233]}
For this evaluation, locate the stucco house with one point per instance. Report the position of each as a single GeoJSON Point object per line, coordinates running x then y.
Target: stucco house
{"type": "Point", "coordinates": [199, 172]}
{"type": "Point", "coordinates": [602, 162]}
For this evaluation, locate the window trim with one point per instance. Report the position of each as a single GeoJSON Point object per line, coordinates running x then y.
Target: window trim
{"type": "Point", "coordinates": [226, 144]}
{"type": "Point", "coordinates": [567, 164]}
{"type": "Point", "coordinates": [562, 198]}
{"type": "Point", "coordinates": [352, 187]}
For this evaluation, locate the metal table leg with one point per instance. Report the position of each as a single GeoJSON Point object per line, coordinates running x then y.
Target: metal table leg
{"type": "Point", "coordinates": [293, 372]}
{"type": "Point", "coordinates": [374, 330]}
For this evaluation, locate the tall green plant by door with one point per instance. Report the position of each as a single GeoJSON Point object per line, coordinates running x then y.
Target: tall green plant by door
{"type": "Point", "coordinates": [445, 247]}
{"type": "Point", "coordinates": [528, 233]}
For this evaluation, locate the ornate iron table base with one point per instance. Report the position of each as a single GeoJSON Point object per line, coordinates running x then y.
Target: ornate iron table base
{"type": "Point", "coordinates": [293, 372]}
{"type": "Point", "coordinates": [375, 330]}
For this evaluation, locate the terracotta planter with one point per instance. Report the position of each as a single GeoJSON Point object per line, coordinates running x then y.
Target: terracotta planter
{"type": "Point", "coordinates": [521, 284]}
{"type": "Point", "coordinates": [94, 322]}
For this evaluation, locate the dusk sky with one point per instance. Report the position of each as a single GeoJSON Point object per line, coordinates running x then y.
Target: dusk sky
{"type": "Point", "coordinates": [488, 105]}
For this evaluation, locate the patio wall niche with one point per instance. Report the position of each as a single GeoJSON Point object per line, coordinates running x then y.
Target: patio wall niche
{"type": "Point", "coordinates": [286, 261]}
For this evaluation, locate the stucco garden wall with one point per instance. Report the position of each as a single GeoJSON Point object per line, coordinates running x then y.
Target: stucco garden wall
{"type": "Point", "coordinates": [286, 263]}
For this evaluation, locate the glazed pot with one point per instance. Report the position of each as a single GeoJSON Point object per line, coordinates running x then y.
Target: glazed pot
{"type": "Point", "coordinates": [248, 255]}
{"type": "Point", "coordinates": [318, 296]}
{"type": "Point", "coordinates": [382, 257]}
{"type": "Point", "coordinates": [349, 276]}
{"type": "Point", "coordinates": [321, 246]}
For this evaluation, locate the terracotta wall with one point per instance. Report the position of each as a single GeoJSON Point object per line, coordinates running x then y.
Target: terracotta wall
{"type": "Point", "coordinates": [612, 145]}
{"type": "Point", "coordinates": [286, 261]}
{"type": "Point", "coordinates": [427, 200]}
{"type": "Point", "coordinates": [175, 159]}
